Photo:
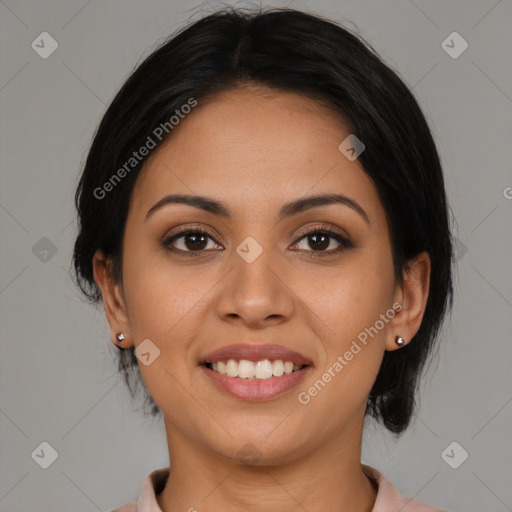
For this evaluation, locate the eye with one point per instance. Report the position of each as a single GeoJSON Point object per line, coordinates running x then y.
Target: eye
{"type": "Point", "coordinates": [194, 240]}
{"type": "Point", "coordinates": [320, 239]}
{"type": "Point", "coordinates": [187, 241]}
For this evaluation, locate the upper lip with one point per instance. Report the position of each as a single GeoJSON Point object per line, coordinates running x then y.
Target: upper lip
{"type": "Point", "coordinates": [255, 353]}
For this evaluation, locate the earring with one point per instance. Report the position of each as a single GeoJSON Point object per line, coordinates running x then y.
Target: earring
{"type": "Point", "coordinates": [399, 341]}
{"type": "Point", "coordinates": [120, 337]}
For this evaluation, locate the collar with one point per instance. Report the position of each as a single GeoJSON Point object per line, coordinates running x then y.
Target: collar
{"type": "Point", "coordinates": [388, 498]}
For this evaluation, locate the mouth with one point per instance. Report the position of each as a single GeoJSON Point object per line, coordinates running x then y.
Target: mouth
{"type": "Point", "coordinates": [263, 370]}
{"type": "Point", "coordinates": [255, 372]}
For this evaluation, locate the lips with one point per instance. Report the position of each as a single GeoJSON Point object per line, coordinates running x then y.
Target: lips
{"type": "Point", "coordinates": [255, 388]}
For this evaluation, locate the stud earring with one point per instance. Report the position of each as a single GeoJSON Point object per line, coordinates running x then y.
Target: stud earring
{"type": "Point", "coordinates": [399, 341]}
{"type": "Point", "coordinates": [120, 337]}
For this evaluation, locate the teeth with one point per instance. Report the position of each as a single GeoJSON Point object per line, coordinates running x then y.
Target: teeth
{"type": "Point", "coordinates": [245, 369]}
{"type": "Point", "coordinates": [277, 367]}
{"type": "Point", "coordinates": [232, 368]}
{"type": "Point", "coordinates": [264, 369]}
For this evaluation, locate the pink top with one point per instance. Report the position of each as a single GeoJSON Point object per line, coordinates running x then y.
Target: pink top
{"type": "Point", "coordinates": [388, 497]}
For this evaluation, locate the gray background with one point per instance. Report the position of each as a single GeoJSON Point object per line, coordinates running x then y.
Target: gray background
{"type": "Point", "coordinates": [58, 380]}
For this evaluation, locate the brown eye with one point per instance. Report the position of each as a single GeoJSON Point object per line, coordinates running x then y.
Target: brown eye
{"type": "Point", "coordinates": [189, 240]}
{"type": "Point", "coordinates": [320, 240]}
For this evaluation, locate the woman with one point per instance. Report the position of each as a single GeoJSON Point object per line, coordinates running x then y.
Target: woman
{"type": "Point", "coordinates": [263, 214]}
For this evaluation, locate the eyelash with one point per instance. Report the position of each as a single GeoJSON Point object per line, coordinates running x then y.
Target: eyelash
{"type": "Point", "coordinates": [181, 232]}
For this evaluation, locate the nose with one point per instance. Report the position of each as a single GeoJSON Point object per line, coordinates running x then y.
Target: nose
{"type": "Point", "coordinates": [255, 294]}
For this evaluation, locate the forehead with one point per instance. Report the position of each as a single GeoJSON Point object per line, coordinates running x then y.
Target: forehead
{"type": "Point", "coordinates": [254, 148]}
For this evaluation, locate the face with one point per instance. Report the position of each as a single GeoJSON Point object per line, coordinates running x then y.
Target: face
{"type": "Point", "coordinates": [316, 281]}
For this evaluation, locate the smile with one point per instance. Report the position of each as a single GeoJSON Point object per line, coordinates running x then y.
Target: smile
{"type": "Point", "coordinates": [262, 370]}
{"type": "Point", "coordinates": [255, 372]}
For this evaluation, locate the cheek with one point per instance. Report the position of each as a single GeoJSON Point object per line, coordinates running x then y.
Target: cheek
{"type": "Point", "coordinates": [350, 297]}
{"type": "Point", "coordinates": [352, 308]}
{"type": "Point", "coordinates": [164, 303]}
{"type": "Point", "coordinates": [162, 298]}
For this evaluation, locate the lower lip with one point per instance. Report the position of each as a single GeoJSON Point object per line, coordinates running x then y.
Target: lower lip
{"type": "Point", "coordinates": [256, 390]}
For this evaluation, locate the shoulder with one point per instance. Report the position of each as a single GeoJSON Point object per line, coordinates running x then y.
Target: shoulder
{"type": "Point", "coordinates": [127, 507]}
{"type": "Point", "coordinates": [389, 498]}
{"type": "Point", "coordinates": [410, 505]}
{"type": "Point", "coordinates": [153, 485]}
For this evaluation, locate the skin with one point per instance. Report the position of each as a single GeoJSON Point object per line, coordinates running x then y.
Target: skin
{"type": "Point", "coordinates": [255, 149]}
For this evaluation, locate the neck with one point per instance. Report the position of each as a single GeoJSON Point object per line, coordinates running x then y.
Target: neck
{"type": "Point", "coordinates": [326, 478]}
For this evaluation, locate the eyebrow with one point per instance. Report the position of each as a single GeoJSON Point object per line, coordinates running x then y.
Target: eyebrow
{"type": "Point", "coordinates": [292, 208]}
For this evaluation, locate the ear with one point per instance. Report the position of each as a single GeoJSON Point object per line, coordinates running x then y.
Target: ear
{"type": "Point", "coordinates": [113, 300]}
{"type": "Point", "coordinates": [412, 294]}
